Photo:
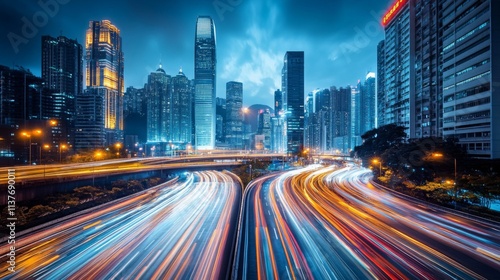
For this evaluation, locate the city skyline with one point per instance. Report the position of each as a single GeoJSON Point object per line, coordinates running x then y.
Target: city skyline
{"type": "Point", "coordinates": [252, 38]}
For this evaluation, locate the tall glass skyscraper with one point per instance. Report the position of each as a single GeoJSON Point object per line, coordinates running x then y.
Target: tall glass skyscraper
{"type": "Point", "coordinates": [159, 94]}
{"type": "Point", "coordinates": [398, 94]}
{"type": "Point", "coordinates": [104, 74]}
{"type": "Point", "coordinates": [234, 115]}
{"type": "Point", "coordinates": [62, 74]}
{"type": "Point", "coordinates": [293, 101]}
{"type": "Point", "coordinates": [181, 109]}
{"type": "Point", "coordinates": [204, 75]}
{"type": "Point", "coordinates": [367, 104]}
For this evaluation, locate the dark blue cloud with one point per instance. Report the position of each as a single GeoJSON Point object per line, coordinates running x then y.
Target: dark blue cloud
{"type": "Point", "coordinates": [339, 37]}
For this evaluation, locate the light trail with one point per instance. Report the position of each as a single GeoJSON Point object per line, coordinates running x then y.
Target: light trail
{"type": "Point", "coordinates": [155, 234]}
{"type": "Point", "coordinates": [333, 223]}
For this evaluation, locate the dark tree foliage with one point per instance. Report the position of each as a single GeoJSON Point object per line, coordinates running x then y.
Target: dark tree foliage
{"type": "Point", "coordinates": [378, 140]}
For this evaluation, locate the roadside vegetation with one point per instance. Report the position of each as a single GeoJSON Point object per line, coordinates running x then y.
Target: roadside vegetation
{"type": "Point", "coordinates": [432, 169]}
{"type": "Point", "coordinates": [41, 210]}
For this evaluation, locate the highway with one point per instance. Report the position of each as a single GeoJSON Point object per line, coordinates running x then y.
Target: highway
{"type": "Point", "coordinates": [329, 223]}
{"type": "Point", "coordinates": [98, 168]}
{"type": "Point", "coordinates": [185, 228]}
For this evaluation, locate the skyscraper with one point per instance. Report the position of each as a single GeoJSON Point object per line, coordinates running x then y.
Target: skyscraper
{"type": "Point", "coordinates": [341, 112]}
{"type": "Point", "coordinates": [381, 102]}
{"type": "Point", "coordinates": [278, 102]}
{"type": "Point", "coordinates": [181, 109]}
{"type": "Point", "coordinates": [158, 92]}
{"type": "Point", "coordinates": [234, 115]}
{"type": "Point", "coordinates": [324, 117]}
{"type": "Point", "coordinates": [471, 75]}
{"type": "Point", "coordinates": [104, 75]}
{"type": "Point", "coordinates": [309, 122]}
{"type": "Point", "coordinates": [367, 105]}
{"type": "Point", "coordinates": [22, 103]}
{"type": "Point", "coordinates": [62, 74]}
{"type": "Point", "coordinates": [264, 129]}
{"type": "Point", "coordinates": [220, 114]}
{"type": "Point", "coordinates": [399, 88]}
{"type": "Point", "coordinates": [293, 101]}
{"type": "Point", "coordinates": [205, 83]}
{"type": "Point", "coordinates": [356, 105]}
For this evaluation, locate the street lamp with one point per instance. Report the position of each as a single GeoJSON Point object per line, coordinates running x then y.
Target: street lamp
{"type": "Point", "coordinates": [46, 147]}
{"type": "Point", "coordinates": [61, 147]}
{"type": "Point", "coordinates": [455, 188]}
{"type": "Point", "coordinates": [28, 135]}
{"type": "Point", "coordinates": [118, 146]}
{"type": "Point", "coordinates": [379, 165]}
{"type": "Point", "coordinates": [97, 155]}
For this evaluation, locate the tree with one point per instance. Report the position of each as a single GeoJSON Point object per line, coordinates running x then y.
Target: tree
{"type": "Point", "coordinates": [88, 192]}
{"type": "Point", "coordinates": [378, 140]}
{"type": "Point", "coordinates": [39, 211]}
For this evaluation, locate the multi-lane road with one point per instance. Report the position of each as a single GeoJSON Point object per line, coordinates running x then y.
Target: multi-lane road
{"type": "Point", "coordinates": [328, 223]}
{"type": "Point", "coordinates": [310, 223]}
{"type": "Point", "coordinates": [182, 229]}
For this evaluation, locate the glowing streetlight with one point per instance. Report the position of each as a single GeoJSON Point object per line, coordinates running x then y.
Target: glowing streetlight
{"type": "Point", "coordinates": [118, 146]}
{"type": "Point", "coordinates": [97, 155]}
{"type": "Point", "coordinates": [440, 155]}
{"type": "Point", "coordinates": [379, 165]}
{"type": "Point", "coordinates": [61, 147]}
{"type": "Point", "coordinates": [28, 135]}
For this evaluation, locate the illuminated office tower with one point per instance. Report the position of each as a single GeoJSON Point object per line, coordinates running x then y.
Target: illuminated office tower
{"type": "Point", "coordinates": [104, 75]}
{"type": "Point", "coordinates": [409, 92]}
{"type": "Point", "coordinates": [181, 109]}
{"type": "Point", "coordinates": [471, 75]}
{"type": "Point", "coordinates": [234, 115]}
{"type": "Point", "coordinates": [341, 118]}
{"type": "Point", "coordinates": [367, 110]}
{"type": "Point", "coordinates": [399, 89]}
{"type": "Point", "coordinates": [293, 99]}
{"type": "Point", "coordinates": [62, 74]}
{"type": "Point", "coordinates": [158, 92]}
{"type": "Point", "coordinates": [205, 81]}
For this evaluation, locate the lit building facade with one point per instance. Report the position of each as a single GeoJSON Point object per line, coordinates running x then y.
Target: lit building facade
{"type": "Point", "coordinates": [471, 75]}
{"type": "Point", "coordinates": [293, 99]}
{"type": "Point", "coordinates": [23, 107]}
{"type": "Point", "coordinates": [105, 64]}
{"type": "Point", "coordinates": [278, 134]}
{"type": "Point", "coordinates": [367, 109]}
{"type": "Point", "coordinates": [205, 83]}
{"type": "Point", "coordinates": [264, 128]}
{"type": "Point", "coordinates": [399, 89]}
{"type": "Point", "coordinates": [159, 95]}
{"type": "Point", "coordinates": [89, 122]}
{"type": "Point", "coordinates": [356, 114]}
{"type": "Point", "coordinates": [341, 116]}
{"type": "Point", "coordinates": [62, 74]}
{"type": "Point", "coordinates": [181, 126]}
{"type": "Point", "coordinates": [381, 97]}
{"type": "Point", "coordinates": [234, 115]}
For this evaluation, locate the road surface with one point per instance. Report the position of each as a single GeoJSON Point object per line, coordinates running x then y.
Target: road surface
{"type": "Point", "coordinates": [184, 229]}
{"type": "Point", "coordinates": [328, 223]}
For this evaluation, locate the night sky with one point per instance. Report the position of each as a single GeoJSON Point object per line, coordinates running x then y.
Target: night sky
{"type": "Point", "coordinates": [339, 38]}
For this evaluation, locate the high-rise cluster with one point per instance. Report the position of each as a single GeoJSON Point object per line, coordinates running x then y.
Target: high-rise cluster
{"type": "Point", "coordinates": [437, 75]}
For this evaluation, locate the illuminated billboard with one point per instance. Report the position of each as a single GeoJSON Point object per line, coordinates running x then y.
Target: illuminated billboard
{"type": "Point", "coordinates": [393, 11]}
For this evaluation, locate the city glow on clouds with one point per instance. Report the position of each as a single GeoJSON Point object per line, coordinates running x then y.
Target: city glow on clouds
{"type": "Point", "coordinates": [339, 38]}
